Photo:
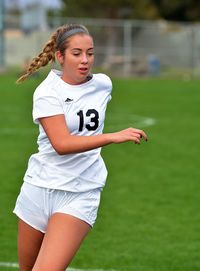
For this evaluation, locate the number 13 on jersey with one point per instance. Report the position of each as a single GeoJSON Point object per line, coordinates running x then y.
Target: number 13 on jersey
{"type": "Point", "coordinates": [94, 120]}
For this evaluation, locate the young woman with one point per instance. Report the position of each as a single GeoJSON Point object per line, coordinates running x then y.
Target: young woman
{"type": "Point", "coordinates": [59, 199]}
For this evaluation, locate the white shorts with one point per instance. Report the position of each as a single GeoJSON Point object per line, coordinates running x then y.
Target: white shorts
{"type": "Point", "coordinates": [35, 205]}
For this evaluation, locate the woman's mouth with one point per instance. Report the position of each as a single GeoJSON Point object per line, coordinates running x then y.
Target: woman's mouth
{"type": "Point", "coordinates": [83, 70]}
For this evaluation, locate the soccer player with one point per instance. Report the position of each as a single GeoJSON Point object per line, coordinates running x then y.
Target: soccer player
{"type": "Point", "coordinates": [60, 196]}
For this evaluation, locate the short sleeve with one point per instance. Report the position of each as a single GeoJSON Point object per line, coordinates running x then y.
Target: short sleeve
{"type": "Point", "coordinates": [46, 106]}
{"type": "Point", "coordinates": [109, 88]}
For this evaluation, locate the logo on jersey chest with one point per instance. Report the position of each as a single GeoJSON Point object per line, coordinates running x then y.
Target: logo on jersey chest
{"type": "Point", "coordinates": [68, 100]}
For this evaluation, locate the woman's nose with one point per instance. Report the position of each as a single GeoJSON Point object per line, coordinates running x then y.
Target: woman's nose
{"type": "Point", "coordinates": [84, 58]}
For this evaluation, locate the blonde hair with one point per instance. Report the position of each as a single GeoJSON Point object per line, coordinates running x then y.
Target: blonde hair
{"type": "Point", "coordinates": [57, 42]}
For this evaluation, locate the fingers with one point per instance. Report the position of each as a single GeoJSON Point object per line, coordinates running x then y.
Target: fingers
{"type": "Point", "coordinates": [138, 135]}
{"type": "Point", "coordinates": [129, 134]}
{"type": "Point", "coordinates": [141, 133]}
{"type": "Point", "coordinates": [136, 140]}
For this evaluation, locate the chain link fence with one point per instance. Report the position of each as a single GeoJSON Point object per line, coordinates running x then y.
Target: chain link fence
{"type": "Point", "coordinates": [122, 47]}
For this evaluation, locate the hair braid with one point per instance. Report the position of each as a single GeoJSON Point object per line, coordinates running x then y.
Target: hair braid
{"type": "Point", "coordinates": [47, 55]}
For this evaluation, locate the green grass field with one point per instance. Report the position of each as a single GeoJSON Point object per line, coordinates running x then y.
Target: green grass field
{"type": "Point", "coordinates": [149, 218]}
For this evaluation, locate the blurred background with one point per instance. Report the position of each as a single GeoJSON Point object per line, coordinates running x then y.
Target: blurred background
{"type": "Point", "coordinates": [132, 37]}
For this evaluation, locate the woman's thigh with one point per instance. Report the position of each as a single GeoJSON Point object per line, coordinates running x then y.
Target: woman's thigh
{"type": "Point", "coordinates": [29, 243]}
{"type": "Point", "coordinates": [63, 238]}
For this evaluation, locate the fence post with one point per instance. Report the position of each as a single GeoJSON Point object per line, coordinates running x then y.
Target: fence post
{"type": "Point", "coordinates": [127, 44]}
{"type": "Point", "coordinates": [2, 41]}
{"type": "Point", "coordinates": [193, 62]}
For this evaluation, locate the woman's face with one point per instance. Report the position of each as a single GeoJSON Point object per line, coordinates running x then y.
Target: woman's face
{"type": "Point", "coordinates": [78, 59]}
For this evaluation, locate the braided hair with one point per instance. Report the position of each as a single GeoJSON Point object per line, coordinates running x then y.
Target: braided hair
{"type": "Point", "coordinates": [57, 42]}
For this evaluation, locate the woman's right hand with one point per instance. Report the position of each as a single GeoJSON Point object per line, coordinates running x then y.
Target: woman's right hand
{"type": "Point", "coordinates": [129, 134]}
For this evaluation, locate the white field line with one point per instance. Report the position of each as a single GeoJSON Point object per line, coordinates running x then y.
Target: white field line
{"type": "Point", "coordinates": [15, 265]}
{"type": "Point", "coordinates": [119, 121]}
{"type": "Point", "coordinates": [7, 264]}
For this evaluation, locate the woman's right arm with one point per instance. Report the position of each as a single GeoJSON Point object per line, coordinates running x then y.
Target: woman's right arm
{"type": "Point", "coordinates": [64, 143]}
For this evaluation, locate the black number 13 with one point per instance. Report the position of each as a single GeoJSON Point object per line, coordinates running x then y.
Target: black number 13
{"type": "Point", "coordinates": [94, 120]}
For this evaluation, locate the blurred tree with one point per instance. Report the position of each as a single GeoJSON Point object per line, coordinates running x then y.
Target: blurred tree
{"type": "Point", "coordinates": [115, 9]}
{"type": "Point", "coordinates": [177, 10]}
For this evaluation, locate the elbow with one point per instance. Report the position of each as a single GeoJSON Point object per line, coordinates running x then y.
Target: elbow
{"type": "Point", "coordinates": [61, 149]}
{"type": "Point", "coordinates": [64, 146]}
{"type": "Point", "coordinates": [61, 152]}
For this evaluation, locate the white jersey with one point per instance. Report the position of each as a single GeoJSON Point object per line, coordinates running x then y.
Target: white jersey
{"type": "Point", "coordinates": [84, 108]}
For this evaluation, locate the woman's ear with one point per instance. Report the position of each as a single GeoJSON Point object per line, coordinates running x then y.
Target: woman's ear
{"type": "Point", "coordinates": [59, 57]}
